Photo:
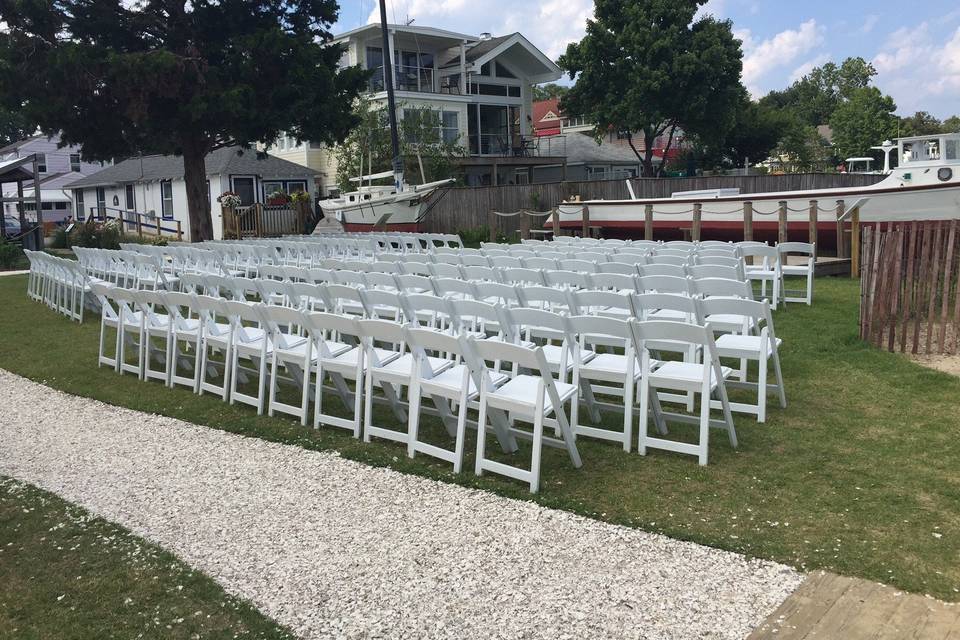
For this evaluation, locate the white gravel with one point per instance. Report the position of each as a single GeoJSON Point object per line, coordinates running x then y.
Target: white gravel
{"type": "Point", "coordinates": [334, 548]}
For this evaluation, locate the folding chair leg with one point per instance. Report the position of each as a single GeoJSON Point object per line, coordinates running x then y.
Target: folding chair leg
{"type": "Point", "coordinates": [481, 433]}
{"type": "Point", "coordinates": [538, 442]}
{"type": "Point", "coordinates": [762, 391]}
{"type": "Point", "coordinates": [461, 430]}
{"type": "Point", "coordinates": [704, 444]}
{"type": "Point", "coordinates": [413, 416]}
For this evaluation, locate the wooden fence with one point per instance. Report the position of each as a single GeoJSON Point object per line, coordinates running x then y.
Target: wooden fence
{"type": "Point", "coordinates": [463, 208]}
{"type": "Point", "coordinates": [260, 220]}
{"type": "Point", "coordinates": [909, 287]}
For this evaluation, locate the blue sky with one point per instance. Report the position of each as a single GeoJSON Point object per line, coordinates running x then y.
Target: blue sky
{"type": "Point", "coordinates": [914, 45]}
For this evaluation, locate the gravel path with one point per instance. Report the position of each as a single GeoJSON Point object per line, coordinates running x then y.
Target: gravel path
{"type": "Point", "coordinates": [333, 548]}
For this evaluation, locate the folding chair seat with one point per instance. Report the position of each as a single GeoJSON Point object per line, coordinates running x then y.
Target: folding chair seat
{"type": "Point", "coordinates": [531, 325]}
{"type": "Point", "coordinates": [529, 397]}
{"type": "Point", "coordinates": [806, 269]}
{"type": "Point", "coordinates": [706, 378]}
{"type": "Point", "coordinates": [756, 342]}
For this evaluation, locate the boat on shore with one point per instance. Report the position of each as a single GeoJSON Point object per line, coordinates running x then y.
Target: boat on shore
{"type": "Point", "coordinates": [924, 186]}
{"type": "Point", "coordinates": [381, 207]}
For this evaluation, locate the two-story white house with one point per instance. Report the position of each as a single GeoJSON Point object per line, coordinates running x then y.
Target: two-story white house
{"type": "Point", "coordinates": [57, 167]}
{"type": "Point", "coordinates": [480, 87]}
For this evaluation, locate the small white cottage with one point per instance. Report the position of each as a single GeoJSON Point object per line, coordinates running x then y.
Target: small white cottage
{"type": "Point", "coordinates": [154, 185]}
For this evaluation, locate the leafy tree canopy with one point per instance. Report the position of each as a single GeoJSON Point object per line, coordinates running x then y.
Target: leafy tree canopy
{"type": "Point", "coordinates": [176, 77]}
{"type": "Point", "coordinates": [14, 126]}
{"type": "Point", "coordinates": [548, 91]}
{"type": "Point", "coordinates": [951, 125]}
{"type": "Point", "coordinates": [650, 68]}
{"type": "Point", "coordinates": [920, 123]}
{"type": "Point", "coordinates": [862, 121]}
{"type": "Point", "coordinates": [815, 96]}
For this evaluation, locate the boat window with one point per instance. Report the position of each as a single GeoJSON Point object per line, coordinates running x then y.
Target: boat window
{"type": "Point", "coordinates": [907, 152]}
{"type": "Point", "coordinates": [952, 149]}
{"type": "Point", "coordinates": [933, 149]}
{"type": "Point", "coordinates": [366, 196]}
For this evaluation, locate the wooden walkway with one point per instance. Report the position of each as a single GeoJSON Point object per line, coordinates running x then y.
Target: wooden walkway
{"type": "Point", "coordinates": [831, 606]}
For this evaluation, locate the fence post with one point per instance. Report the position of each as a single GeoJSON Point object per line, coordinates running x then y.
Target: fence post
{"type": "Point", "coordinates": [258, 211]}
{"type": "Point", "coordinates": [648, 222]}
{"type": "Point", "coordinates": [524, 225]}
{"type": "Point", "coordinates": [159, 225]}
{"type": "Point", "coordinates": [813, 222]}
{"type": "Point", "coordinates": [139, 225]}
{"type": "Point", "coordinates": [747, 221]}
{"type": "Point", "coordinates": [855, 243]}
{"type": "Point", "coordinates": [492, 225]}
{"type": "Point", "coordinates": [697, 215]}
{"type": "Point", "coordinates": [841, 243]}
{"type": "Point", "coordinates": [179, 232]}
{"type": "Point", "coordinates": [556, 222]}
{"type": "Point", "coordinates": [782, 222]}
{"type": "Point", "coordinates": [585, 225]}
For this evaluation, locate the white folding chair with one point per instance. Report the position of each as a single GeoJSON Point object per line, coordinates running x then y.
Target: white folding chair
{"type": "Point", "coordinates": [249, 341]}
{"type": "Point", "coordinates": [292, 351]}
{"type": "Point", "coordinates": [529, 397]}
{"type": "Point", "coordinates": [806, 269]}
{"type": "Point", "coordinates": [756, 342]}
{"type": "Point", "coordinates": [768, 270]}
{"type": "Point", "coordinates": [216, 334]}
{"type": "Point", "coordinates": [187, 330]}
{"type": "Point", "coordinates": [706, 379]}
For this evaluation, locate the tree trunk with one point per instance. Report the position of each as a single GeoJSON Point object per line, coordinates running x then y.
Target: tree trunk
{"type": "Point", "coordinates": [198, 204]}
{"type": "Point", "coordinates": [666, 150]}
{"type": "Point", "coordinates": [644, 159]}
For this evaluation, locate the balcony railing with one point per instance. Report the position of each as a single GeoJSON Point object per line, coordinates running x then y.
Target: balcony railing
{"type": "Point", "coordinates": [405, 78]}
{"type": "Point", "coordinates": [505, 145]}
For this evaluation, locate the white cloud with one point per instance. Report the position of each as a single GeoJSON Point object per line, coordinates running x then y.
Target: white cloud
{"type": "Point", "coordinates": [869, 23]}
{"type": "Point", "coordinates": [550, 25]}
{"type": "Point", "coordinates": [808, 66]}
{"type": "Point", "coordinates": [781, 50]}
{"type": "Point", "coordinates": [920, 72]}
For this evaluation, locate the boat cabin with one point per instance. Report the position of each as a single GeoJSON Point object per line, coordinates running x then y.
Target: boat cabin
{"type": "Point", "coordinates": [935, 150]}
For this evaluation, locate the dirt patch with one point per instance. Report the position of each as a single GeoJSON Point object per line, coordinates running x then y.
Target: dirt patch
{"type": "Point", "coordinates": [946, 363]}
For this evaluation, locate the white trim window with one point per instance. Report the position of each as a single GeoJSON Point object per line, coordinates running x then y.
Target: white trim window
{"type": "Point", "coordinates": [75, 162]}
{"type": "Point", "coordinates": [78, 200]}
{"type": "Point", "coordinates": [41, 163]}
{"type": "Point", "coordinates": [166, 199]}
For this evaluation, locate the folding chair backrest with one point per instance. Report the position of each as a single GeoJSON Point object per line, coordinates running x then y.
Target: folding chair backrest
{"type": "Point", "coordinates": [756, 310]}
{"type": "Point", "coordinates": [661, 269]}
{"type": "Point", "coordinates": [275, 318]}
{"type": "Point", "coordinates": [523, 276]}
{"type": "Point", "coordinates": [521, 356]}
{"type": "Point", "coordinates": [383, 332]}
{"type": "Point", "coordinates": [664, 284]}
{"type": "Point", "coordinates": [454, 286]}
{"type": "Point", "coordinates": [707, 287]}
{"type": "Point", "coordinates": [545, 298]}
{"type": "Point", "coordinates": [583, 266]}
{"type": "Point", "coordinates": [593, 330]}
{"type": "Point", "coordinates": [591, 301]}
{"type": "Point", "coordinates": [306, 296]}
{"type": "Point", "coordinates": [488, 274]}
{"type": "Point", "coordinates": [416, 305]}
{"type": "Point", "coordinates": [614, 281]}
{"type": "Point", "coordinates": [714, 271]}
{"type": "Point", "coordinates": [506, 262]}
{"type": "Point", "coordinates": [319, 275]}
{"type": "Point", "coordinates": [376, 280]}
{"type": "Point", "coordinates": [417, 268]}
{"type": "Point", "coordinates": [539, 262]}
{"type": "Point", "coordinates": [338, 294]}
{"type": "Point", "coordinates": [567, 279]}
{"type": "Point", "coordinates": [474, 260]}
{"type": "Point", "coordinates": [646, 303]}
{"type": "Point", "coordinates": [669, 260]}
{"type": "Point", "coordinates": [619, 268]}
{"type": "Point", "coordinates": [474, 315]}
{"type": "Point", "coordinates": [798, 248]}
{"type": "Point", "coordinates": [350, 278]}
{"type": "Point", "coordinates": [191, 282]}
{"type": "Point", "coordinates": [505, 294]}
{"type": "Point", "coordinates": [322, 324]}
{"type": "Point", "coordinates": [441, 270]}
{"type": "Point", "coordinates": [593, 256]}
{"type": "Point", "coordinates": [412, 283]}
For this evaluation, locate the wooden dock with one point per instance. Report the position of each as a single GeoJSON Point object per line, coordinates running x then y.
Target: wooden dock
{"type": "Point", "coordinates": [830, 606]}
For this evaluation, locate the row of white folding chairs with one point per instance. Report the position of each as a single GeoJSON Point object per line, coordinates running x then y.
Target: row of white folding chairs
{"type": "Point", "coordinates": [326, 348]}
{"type": "Point", "coordinates": [350, 296]}
{"type": "Point", "coordinates": [59, 283]}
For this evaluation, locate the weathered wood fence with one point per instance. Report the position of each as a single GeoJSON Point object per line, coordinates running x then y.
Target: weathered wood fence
{"type": "Point", "coordinates": [260, 220]}
{"type": "Point", "coordinates": [909, 286]}
{"type": "Point", "coordinates": [464, 208]}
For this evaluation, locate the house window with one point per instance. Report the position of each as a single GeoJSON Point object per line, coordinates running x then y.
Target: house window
{"type": "Point", "coordinates": [450, 127]}
{"type": "Point", "coordinates": [74, 162]}
{"type": "Point", "coordinates": [78, 199]}
{"type": "Point", "coordinates": [485, 70]}
{"type": "Point", "coordinates": [166, 199]}
{"type": "Point", "coordinates": [131, 199]}
{"type": "Point", "coordinates": [294, 186]}
{"type": "Point", "coordinates": [101, 201]}
{"type": "Point", "coordinates": [41, 163]}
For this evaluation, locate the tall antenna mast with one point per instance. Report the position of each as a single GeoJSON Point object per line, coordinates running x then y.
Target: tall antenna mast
{"type": "Point", "coordinates": [391, 100]}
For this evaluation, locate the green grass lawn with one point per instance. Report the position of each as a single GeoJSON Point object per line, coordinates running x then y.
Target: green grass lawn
{"type": "Point", "coordinates": [67, 574]}
{"type": "Point", "coordinates": [858, 475]}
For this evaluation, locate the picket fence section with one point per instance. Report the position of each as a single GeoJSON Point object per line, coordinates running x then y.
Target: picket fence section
{"type": "Point", "coordinates": [909, 298]}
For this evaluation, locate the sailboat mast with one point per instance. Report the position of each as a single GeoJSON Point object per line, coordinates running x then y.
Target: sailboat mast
{"type": "Point", "coordinates": [391, 100]}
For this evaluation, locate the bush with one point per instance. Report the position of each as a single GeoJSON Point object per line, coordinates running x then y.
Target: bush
{"type": "Point", "coordinates": [473, 237]}
{"type": "Point", "coordinates": [10, 254]}
{"type": "Point", "coordinates": [61, 239]}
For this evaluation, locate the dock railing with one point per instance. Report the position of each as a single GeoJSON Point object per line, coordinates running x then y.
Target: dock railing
{"type": "Point", "coordinates": [143, 224]}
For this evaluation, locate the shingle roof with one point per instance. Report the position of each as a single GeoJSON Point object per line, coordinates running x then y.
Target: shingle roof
{"type": "Point", "coordinates": [229, 160]}
{"type": "Point", "coordinates": [13, 146]}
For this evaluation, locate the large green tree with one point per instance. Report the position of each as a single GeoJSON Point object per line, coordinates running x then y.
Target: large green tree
{"type": "Point", "coordinates": [815, 96]}
{"type": "Point", "coordinates": [650, 68]}
{"type": "Point", "coordinates": [181, 77]}
{"type": "Point", "coordinates": [14, 126]}
{"type": "Point", "coordinates": [757, 130]}
{"type": "Point", "coordinates": [864, 120]}
{"type": "Point", "coordinates": [951, 125]}
{"type": "Point", "coordinates": [920, 123]}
